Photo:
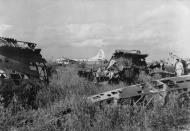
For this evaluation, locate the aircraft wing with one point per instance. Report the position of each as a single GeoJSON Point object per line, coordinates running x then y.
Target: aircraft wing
{"type": "Point", "coordinates": [181, 83]}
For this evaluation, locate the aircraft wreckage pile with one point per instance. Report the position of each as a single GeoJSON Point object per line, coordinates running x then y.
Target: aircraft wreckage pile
{"type": "Point", "coordinates": [126, 66]}
{"type": "Point", "coordinates": [22, 71]}
{"type": "Point", "coordinates": [146, 93]}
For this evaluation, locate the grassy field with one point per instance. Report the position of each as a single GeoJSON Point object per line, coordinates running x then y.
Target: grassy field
{"type": "Point", "coordinates": [62, 106]}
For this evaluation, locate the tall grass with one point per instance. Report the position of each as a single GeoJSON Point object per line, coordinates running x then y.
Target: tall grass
{"type": "Point", "coordinates": [63, 106]}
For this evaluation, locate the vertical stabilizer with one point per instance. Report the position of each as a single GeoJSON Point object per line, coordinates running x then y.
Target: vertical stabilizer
{"type": "Point", "coordinates": [99, 56]}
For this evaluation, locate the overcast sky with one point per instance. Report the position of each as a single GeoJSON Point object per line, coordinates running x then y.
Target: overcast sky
{"type": "Point", "coordinates": [78, 28]}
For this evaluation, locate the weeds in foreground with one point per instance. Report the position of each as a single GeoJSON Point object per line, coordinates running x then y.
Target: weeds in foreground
{"type": "Point", "coordinates": [63, 106]}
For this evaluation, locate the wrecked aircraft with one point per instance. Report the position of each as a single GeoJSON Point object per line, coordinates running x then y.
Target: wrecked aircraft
{"type": "Point", "coordinates": [124, 65]}
{"type": "Point", "coordinates": [22, 66]}
{"type": "Point", "coordinates": [146, 93]}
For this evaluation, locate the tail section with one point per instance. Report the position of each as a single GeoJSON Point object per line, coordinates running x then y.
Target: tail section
{"type": "Point", "coordinates": [99, 56]}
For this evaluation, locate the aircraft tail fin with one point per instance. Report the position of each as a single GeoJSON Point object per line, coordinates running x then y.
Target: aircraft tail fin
{"type": "Point", "coordinates": [99, 56]}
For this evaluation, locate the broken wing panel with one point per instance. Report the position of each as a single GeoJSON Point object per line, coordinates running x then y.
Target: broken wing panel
{"type": "Point", "coordinates": [20, 54]}
{"type": "Point", "coordinates": [181, 82]}
{"type": "Point", "coordinates": [17, 66]}
{"type": "Point", "coordinates": [158, 86]}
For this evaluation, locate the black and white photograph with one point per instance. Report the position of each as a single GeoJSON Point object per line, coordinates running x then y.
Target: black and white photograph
{"type": "Point", "coordinates": [94, 65]}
